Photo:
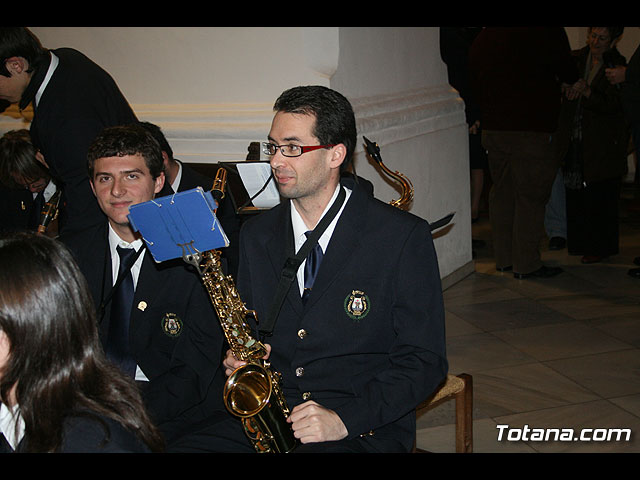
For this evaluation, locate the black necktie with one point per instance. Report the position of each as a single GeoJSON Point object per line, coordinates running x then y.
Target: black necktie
{"type": "Point", "coordinates": [36, 210]}
{"type": "Point", "coordinates": [118, 336]}
{"type": "Point", "coordinates": [311, 267]}
{"type": "Point", "coordinates": [5, 446]}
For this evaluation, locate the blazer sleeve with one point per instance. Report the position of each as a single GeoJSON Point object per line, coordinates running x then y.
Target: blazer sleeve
{"type": "Point", "coordinates": [417, 362]}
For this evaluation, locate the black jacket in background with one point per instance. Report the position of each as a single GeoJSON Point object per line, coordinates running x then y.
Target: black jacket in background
{"type": "Point", "coordinates": [80, 100]}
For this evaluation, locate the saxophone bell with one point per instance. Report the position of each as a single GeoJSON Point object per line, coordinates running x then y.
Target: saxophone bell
{"type": "Point", "coordinates": [248, 394]}
{"type": "Point", "coordinates": [247, 390]}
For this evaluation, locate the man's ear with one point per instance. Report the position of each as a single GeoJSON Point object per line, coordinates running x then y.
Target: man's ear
{"type": "Point", "coordinates": [159, 183]}
{"type": "Point", "coordinates": [338, 154]}
{"type": "Point", "coordinates": [16, 65]}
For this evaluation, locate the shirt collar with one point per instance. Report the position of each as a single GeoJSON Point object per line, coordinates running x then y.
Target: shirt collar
{"type": "Point", "coordinates": [52, 67]}
{"type": "Point", "coordinates": [9, 418]}
{"type": "Point", "coordinates": [176, 181]}
{"type": "Point", "coordinates": [37, 83]}
{"type": "Point", "coordinates": [116, 241]}
{"type": "Point", "coordinates": [48, 191]}
{"type": "Point", "coordinates": [299, 227]}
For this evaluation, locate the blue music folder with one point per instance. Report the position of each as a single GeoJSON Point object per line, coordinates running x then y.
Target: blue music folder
{"type": "Point", "coordinates": [178, 224]}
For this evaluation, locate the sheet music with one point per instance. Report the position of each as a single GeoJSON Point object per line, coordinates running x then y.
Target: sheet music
{"type": "Point", "coordinates": [254, 175]}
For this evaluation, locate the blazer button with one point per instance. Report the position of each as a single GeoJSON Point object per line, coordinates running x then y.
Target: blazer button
{"type": "Point", "coordinates": [302, 333]}
{"type": "Point", "coordinates": [306, 395]}
{"type": "Point", "coordinates": [299, 371]}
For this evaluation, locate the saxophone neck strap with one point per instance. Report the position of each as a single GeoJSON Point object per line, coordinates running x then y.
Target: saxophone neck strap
{"type": "Point", "coordinates": [292, 264]}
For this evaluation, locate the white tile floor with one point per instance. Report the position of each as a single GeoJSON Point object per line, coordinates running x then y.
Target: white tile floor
{"type": "Point", "coordinates": [550, 354]}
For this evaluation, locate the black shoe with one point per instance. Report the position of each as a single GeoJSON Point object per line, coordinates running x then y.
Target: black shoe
{"type": "Point", "coordinates": [634, 272]}
{"type": "Point", "coordinates": [636, 261]}
{"type": "Point", "coordinates": [508, 268]}
{"type": "Point", "coordinates": [542, 272]}
{"type": "Point", "coordinates": [557, 243]}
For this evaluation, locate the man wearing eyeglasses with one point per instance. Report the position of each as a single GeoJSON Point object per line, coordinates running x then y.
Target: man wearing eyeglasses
{"type": "Point", "coordinates": [363, 345]}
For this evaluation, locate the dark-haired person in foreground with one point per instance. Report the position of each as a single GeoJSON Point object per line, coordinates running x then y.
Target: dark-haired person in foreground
{"type": "Point", "coordinates": [58, 392]}
{"type": "Point", "coordinates": [364, 345]}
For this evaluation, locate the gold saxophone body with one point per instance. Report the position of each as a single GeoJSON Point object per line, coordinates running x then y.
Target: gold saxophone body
{"type": "Point", "coordinates": [407, 187]}
{"type": "Point", "coordinates": [253, 391]}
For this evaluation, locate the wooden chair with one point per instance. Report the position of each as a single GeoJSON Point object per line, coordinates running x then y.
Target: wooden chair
{"type": "Point", "coordinates": [460, 389]}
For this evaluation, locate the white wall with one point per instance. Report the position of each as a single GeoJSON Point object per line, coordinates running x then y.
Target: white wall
{"type": "Point", "coordinates": [398, 86]}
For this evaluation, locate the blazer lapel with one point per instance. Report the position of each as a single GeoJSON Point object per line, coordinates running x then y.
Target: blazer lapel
{"type": "Point", "coordinates": [150, 282]}
{"type": "Point", "coordinates": [99, 275]}
{"type": "Point", "coordinates": [280, 247]}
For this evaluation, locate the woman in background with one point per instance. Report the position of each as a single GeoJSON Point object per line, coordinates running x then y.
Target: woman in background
{"type": "Point", "coordinates": [58, 392]}
{"type": "Point", "coordinates": [594, 118]}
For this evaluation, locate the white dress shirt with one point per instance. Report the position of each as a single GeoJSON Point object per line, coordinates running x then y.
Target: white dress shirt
{"type": "Point", "coordinates": [9, 418]}
{"type": "Point", "coordinates": [299, 230]}
{"type": "Point", "coordinates": [114, 242]}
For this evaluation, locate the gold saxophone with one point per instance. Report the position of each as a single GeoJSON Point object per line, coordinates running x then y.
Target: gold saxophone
{"type": "Point", "coordinates": [407, 187]}
{"type": "Point", "coordinates": [253, 391]}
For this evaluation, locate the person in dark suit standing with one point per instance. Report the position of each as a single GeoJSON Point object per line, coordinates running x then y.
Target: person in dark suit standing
{"type": "Point", "coordinates": [27, 184]}
{"type": "Point", "coordinates": [516, 74]}
{"type": "Point", "coordinates": [58, 392]}
{"type": "Point", "coordinates": [73, 99]}
{"type": "Point", "coordinates": [364, 345]}
{"type": "Point", "coordinates": [172, 344]}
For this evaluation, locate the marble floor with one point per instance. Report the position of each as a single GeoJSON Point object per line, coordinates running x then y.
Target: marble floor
{"type": "Point", "coordinates": [560, 353]}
